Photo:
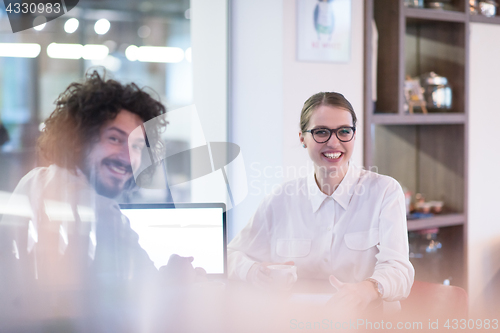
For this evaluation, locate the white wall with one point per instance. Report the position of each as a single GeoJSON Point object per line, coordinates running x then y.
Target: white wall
{"type": "Point", "coordinates": [209, 26]}
{"type": "Point", "coordinates": [484, 159]}
{"type": "Point", "coordinates": [256, 89]}
{"type": "Point", "coordinates": [209, 31]}
{"type": "Point", "coordinates": [268, 88]}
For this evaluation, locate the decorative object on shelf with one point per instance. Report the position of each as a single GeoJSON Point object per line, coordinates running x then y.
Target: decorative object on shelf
{"type": "Point", "coordinates": [419, 201]}
{"type": "Point", "coordinates": [442, 4]}
{"type": "Point", "coordinates": [437, 92]}
{"type": "Point", "coordinates": [324, 30]}
{"type": "Point", "coordinates": [414, 95]}
{"type": "Point", "coordinates": [414, 3]}
{"type": "Point", "coordinates": [488, 8]}
{"type": "Point", "coordinates": [436, 206]}
{"type": "Point", "coordinates": [473, 5]}
{"type": "Point", "coordinates": [424, 209]}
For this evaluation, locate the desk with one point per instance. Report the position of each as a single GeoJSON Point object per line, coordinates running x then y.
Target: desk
{"type": "Point", "coordinates": [242, 308]}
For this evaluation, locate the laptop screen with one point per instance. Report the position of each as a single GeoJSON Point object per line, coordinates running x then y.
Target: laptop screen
{"type": "Point", "coordinates": [189, 230]}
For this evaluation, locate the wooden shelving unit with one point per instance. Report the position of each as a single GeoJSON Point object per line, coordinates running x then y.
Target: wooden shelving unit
{"type": "Point", "coordinates": [415, 119]}
{"type": "Point", "coordinates": [433, 14]}
{"type": "Point", "coordinates": [484, 19]}
{"type": "Point", "coordinates": [438, 221]}
{"type": "Point", "coordinates": [426, 153]}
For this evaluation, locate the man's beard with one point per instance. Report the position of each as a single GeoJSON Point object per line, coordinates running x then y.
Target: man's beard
{"type": "Point", "coordinates": [96, 180]}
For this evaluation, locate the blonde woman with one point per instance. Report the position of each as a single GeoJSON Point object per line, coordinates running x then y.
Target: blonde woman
{"type": "Point", "coordinates": [340, 222]}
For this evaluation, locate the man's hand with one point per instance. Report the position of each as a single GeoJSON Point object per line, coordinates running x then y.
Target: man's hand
{"type": "Point", "coordinates": [352, 296]}
{"type": "Point", "coordinates": [259, 274]}
{"type": "Point", "coordinates": [179, 271]}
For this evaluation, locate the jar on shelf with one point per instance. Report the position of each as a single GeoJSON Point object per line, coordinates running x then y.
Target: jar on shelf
{"type": "Point", "coordinates": [488, 8]}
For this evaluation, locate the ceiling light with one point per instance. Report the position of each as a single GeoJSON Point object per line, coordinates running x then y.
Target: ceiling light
{"type": "Point", "coordinates": [144, 31]}
{"type": "Point", "coordinates": [39, 27]}
{"type": "Point", "coordinates": [39, 23]}
{"type": "Point", "coordinates": [77, 51]}
{"type": "Point", "coordinates": [71, 25]}
{"type": "Point", "coordinates": [94, 51]}
{"type": "Point", "coordinates": [160, 54]}
{"type": "Point", "coordinates": [102, 26]}
{"type": "Point", "coordinates": [20, 50]}
{"type": "Point", "coordinates": [64, 51]}
{"type": "Point", "coordinates": [132, 52]}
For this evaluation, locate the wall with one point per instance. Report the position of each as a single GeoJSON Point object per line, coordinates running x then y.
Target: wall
{"type": "Point", "coordinates": [484, 161]}
{"type": "Point", "coordinates": [256, 90]}
{"type": "Point", "coordinates": [209, 40]}
{"type": "Point", "coordinates": [268, 88]}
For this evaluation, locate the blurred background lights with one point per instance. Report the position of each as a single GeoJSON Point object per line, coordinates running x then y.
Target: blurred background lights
{"type": "Point", "coordinates": [187, 14]}
{"type": "Point", "coordinates": [20, 50]}
{"type": "Point", "coordinates": [71, 25]}
{"type": "Point", "coordinates": [132, 52]}
{"type": "Point", "coordinates": [93, 51]}
{"type": "Point", "coordinates": [64, 51]}
{"type": "Point", "coordinates": [111, 44]}
{"type": "Point", "coordinates": [102, 26]}
{"type": "Point", "coordinates": [154, 54]}
{"type": "Point", "coordinates": [160, 54]}
{"type": "Point", "coordinates": [189, 54]}
{"type": "Point", "coordinates": [111, 63]}
{"type": "Point", "coordinates": [39, 23]}
{"type": "Point", "coordinates": [77, 51]}
{"type": "Point", "coordinates": [144, 31]}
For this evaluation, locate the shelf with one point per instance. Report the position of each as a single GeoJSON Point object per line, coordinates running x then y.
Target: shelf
{"type": "Point", "coordinates": [434, 14]}
{"type": "Point", "coordinates": [484, 19]}
{"type": "Point", "coordinates": [437, 221]}
{"type": "Point", "coordinates": [419, 119]}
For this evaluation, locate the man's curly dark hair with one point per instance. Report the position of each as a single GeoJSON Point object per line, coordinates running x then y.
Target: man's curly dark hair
{"type": "Point", "coordinates": [81, 111]}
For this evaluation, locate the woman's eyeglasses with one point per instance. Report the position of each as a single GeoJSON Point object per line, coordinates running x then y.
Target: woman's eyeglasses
{"type": "Point", "coordinates": [322, 135]}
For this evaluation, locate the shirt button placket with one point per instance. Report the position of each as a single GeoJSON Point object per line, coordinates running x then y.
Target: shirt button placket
{"type": "Point", "coordinates": [329, 232]}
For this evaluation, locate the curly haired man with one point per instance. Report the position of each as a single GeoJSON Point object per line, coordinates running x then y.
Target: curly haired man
{"type": "Point", "coordinates": [67, 254]}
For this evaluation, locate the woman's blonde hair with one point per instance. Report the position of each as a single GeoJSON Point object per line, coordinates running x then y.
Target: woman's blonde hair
{"type": "Point", "coordinates": [324, 98]}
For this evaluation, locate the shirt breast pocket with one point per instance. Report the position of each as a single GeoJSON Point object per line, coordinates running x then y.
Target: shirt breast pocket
{"type": "Point", "coordinates": [293, 248]}
{"type": "Point", "coordinates": [362, 240]}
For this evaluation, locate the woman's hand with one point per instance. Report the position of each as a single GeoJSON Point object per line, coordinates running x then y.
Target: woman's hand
{"type": "Point", "coordinates": [259, 274]}
{"type": "Point", "coordinates": [352, 296]}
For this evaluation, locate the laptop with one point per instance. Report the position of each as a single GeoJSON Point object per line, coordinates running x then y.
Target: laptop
{"type": "Point", "coordinates": [195, 230]}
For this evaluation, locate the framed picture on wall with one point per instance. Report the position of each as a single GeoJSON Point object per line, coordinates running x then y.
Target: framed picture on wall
{"type": "Point", "coordinates": [324, 30]}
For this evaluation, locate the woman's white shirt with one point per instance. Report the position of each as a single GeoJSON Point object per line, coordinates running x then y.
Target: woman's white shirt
{"type": "Point", "coordinates": [356, 233]}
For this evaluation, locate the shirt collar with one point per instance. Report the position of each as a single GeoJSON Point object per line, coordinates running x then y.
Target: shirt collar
{"type": "Point", "coordinates": [342, 194]}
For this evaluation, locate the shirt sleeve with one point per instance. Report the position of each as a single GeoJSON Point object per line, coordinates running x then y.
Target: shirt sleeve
{"type": "Point", "coordinates": [252, 244]}
{"type": "Point", "coordinates": [393, 268]}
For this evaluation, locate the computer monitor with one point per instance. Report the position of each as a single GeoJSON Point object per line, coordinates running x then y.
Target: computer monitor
{"type": "Point", "coordinates": [195, 230]}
